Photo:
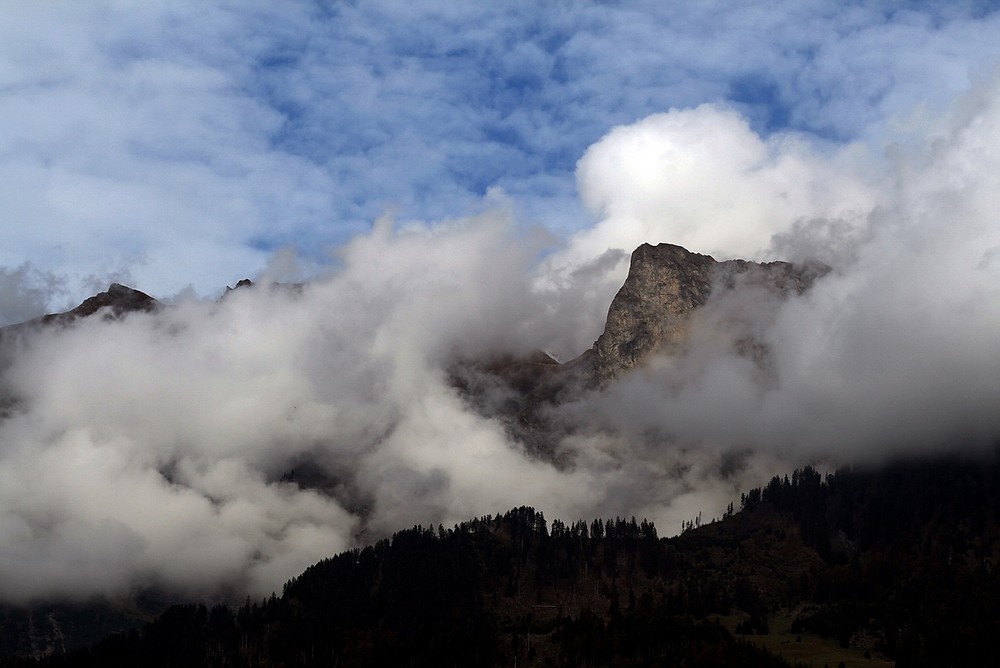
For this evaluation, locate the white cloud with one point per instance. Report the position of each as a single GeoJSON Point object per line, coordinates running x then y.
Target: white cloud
{"type": "Point", "coordinates": [161, 438]}
{"type": "Point", "coordinates": [701, 178]}
{"type": "Point", "coordinates": [891, 353]}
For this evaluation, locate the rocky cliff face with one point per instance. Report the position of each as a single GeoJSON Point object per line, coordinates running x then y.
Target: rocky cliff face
{"type": "Point", "coordinates": [665, 285]}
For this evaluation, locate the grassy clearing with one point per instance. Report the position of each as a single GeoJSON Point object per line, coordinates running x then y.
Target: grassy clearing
{"type": "Point", "coordinates": [806, 648]}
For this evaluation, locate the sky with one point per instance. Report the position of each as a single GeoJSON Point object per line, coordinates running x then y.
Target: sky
{"type": "Point", "coordinates": [180, 145]}
{"type": "Point", "coordinates": [454, 181]}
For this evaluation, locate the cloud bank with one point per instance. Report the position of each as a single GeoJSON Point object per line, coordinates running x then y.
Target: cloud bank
{"type": "Point", "coordinates": [158, 450]}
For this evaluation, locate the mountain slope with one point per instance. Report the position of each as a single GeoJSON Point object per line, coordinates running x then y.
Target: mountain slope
{"type": "Point", "coordinates": [896, 563]}
{"type": "Point", "coordinates": [112, 304]}
{"type": "Point", "coordinates": [493, 591]}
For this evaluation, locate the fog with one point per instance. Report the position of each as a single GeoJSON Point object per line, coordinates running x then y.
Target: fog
{"type": "Point", "coordinates": [158, 450]}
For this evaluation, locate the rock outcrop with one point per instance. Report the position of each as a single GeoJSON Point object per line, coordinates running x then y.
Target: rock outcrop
{"type": "Point", "coordinates": [665, 285]}
{"type": "Point", "coordinates": [652, 313]}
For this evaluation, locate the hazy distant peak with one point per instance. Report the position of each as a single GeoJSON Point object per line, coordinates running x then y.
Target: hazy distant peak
{"type": "Point", "coordinates": [120, 299]}
{"type": "Point", "coordinates": [243, 283]}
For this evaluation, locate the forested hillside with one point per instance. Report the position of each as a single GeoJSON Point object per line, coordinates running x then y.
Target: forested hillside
{"type": "Point", "coordinates": [896, 564]}
{"type": "Point", "coordinates": [491, 591]}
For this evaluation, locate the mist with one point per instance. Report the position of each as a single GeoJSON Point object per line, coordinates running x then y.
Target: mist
{"type": "Point", "coordinates": [160, 450]}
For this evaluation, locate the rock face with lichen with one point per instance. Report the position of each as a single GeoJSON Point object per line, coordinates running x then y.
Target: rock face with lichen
{"type": "Point", "coordinates": [665, 285]}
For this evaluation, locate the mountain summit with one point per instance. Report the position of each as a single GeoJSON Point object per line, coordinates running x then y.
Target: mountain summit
{"type": "Point", "coordinates": [118, 299]}
{"type": "Point", "coordinates": [112, 304]}
{"type": "Point", "coordinates": [666, 284]}
{"type": "Point", "coordinates": [668, 289]}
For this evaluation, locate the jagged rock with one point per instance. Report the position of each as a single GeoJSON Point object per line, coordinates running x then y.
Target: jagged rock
{"type": "Point", "coordinates": [665, 285]}
{"type": "Point", "coordinates": [243, 283]}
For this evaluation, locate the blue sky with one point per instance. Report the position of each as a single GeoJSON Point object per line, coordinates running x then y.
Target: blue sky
{"type": "Point", "coordinates": [174, 145]}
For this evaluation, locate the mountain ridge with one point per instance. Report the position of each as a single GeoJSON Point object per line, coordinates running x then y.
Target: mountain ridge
{"type": "Point", "coordinates": [665, 285]}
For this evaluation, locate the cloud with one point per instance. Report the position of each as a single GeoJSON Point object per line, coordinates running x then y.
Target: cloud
{"type": "Point", "coordinates": [701, 178]}
{"type": "Point", "coordinates": [904, 333]}
{"type": "Point", "coordinates": [141, 154]}
{"type": "Point", "coordinates": [25, 292]}
{"type": "Point", "coordinates": [217, 448]}
{"type": "Point", "coordinates": [161, 439]}
{"type": "Point", "coordinates": [889, 354]}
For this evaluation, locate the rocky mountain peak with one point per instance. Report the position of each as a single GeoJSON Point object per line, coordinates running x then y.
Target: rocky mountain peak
{"type": "Point", "coordinates": [665, 284]}
{"type": "Point", "coordinates": [112, 304]}
{"type": "Point", "coordinates": [653, 312]}
{"type": "Point", "coordinates": [118, 299]}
